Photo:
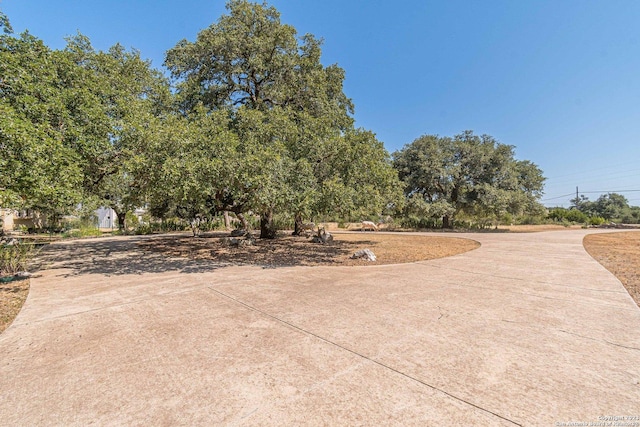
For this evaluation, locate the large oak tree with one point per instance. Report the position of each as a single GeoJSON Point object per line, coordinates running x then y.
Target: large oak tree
{"type": "Point", "coordinates": [72, 121]}
{"type": "Point", "coordinates": [290, 115]}
{"type": "Point", "coordinates": [469, 174]}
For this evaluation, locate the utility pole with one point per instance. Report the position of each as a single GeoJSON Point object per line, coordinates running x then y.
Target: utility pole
{"type": "Point", "coordinates": [577, 197]}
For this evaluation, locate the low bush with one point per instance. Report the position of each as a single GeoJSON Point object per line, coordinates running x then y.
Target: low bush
{"type": "Point", "coordinates": [562, 216]}
{"type": "Point", "coordinates": [284, 222]}
{"type": "Point", "coordinates": [78, 233]}
{"type": "Point", "coordinates": [418, 223]}
{"type": "Point", "coordinates": [143, 229]}
{"type": "Point", "coordinates": [531, 220]}
{"type": "Point", "coordinates": [574, 215]}
{"type": "Point", "coordinates": [169, 225]}
{"type": "Point", "coordinates": [15, 255]}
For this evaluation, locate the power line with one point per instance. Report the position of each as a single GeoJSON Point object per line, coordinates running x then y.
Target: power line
{"type": "Point", "coordinates": [558, 197]}
{"type": "Point", "coordinates": [589, 192]}
{"type": "Point", "coordinates": [609, 191]}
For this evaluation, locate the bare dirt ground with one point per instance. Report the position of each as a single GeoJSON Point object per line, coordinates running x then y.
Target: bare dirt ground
{"type": "Point", "coordinates": [620, 254]}
{"type": "Point", "coordinates": [12, 296]}
{"type": "Point", "coordinates": [291, 251]}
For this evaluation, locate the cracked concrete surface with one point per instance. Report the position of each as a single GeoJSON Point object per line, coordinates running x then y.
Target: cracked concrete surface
{"type": "Point", "coordinates": [526, 330]}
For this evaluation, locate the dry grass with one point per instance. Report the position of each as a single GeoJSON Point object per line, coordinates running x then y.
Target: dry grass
{"type": "Point", "coordinates": [620, 254]}
{"type": "Point", "coordinates": [290, 251]}
{"type": "Point", "coordinates": [12, 296]}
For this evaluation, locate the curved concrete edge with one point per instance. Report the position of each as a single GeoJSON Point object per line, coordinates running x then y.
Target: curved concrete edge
{"type": "Point", "coordinates": [526, 330]}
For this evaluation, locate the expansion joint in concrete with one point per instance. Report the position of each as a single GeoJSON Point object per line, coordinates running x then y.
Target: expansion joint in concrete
{"type": "Point", "coordinates": [360, 355]}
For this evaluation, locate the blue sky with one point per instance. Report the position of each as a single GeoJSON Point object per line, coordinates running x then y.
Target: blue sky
{"type": "Point", "coordinates": [558, 79]}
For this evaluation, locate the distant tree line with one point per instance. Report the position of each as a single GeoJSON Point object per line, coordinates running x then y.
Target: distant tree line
{"type": "Point", "coordinates": [610, 207]}
{"type": "Point", "coordinates": [250, 122]}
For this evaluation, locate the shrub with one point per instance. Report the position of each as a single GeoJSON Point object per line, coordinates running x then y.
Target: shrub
{"type": "Point", "coordinates": [143, 229]}
{"type": "Point", "coordinates": [169, 225]}
{"type": "Point", "coordinates": [419, 223]}
{"type": "Point", "coordinates": [574, 215]}
{"type": "Point", "coordinates": [506, 218]}
{"type": "Point", "coordinates": [15, 256]}
{"type": "Point", "coordinates": [568, 215]}
{"type": "Point", "coordinates": [78, 233]}
{"type": "Point", "coordinates": [131, 220]}
{"type": "Point", "coordinates": [254, 221]}
{"type": "Point", "coordinates": [284, 222]}
{"type": "Point", "coordinates": [596, 220]}
{"type": "Point", "coordinates": [531, 220]}
{"type": "Point", "coordinates": [215, 223]}
{"type": "Point", "coordinates": [479, 224]}
{"type": "Point", "coordinates": [466, 224]}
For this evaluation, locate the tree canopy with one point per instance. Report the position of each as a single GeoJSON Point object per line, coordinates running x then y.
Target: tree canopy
{"type": "Point", "coordinates": [38, 168]}
{"type": "Point", "coordinates": [5, 24]}
{"type": "Point", "coordinates": [251, 122]}
{"type": "Point", "coordinates": [610, 207]}
{"type": "Point", "coordinates": [295, 148]}
{"type": "Point", "coordinates": [123, 99]}
{"type": "Point", "coordinates": [71, 120]}
{"type": "Point", "coordinates": [469, 174]}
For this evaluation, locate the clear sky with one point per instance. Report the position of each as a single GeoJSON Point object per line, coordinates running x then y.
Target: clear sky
{"type": "Point", "coordinates": [558, 79]}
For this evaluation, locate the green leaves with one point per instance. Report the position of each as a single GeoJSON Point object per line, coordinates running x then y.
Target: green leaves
{"type": "Point", "coordinates": [256, 124]}
{"type": "Point", "coordinates": [296, 149]}
{"type": "Point", "coordinates": [5, 24]}
{"type": "Point", "coordinates": [38, 170]}
{"type": "Point", "coordinates": [240, 60]}
{"type": "Point", "coordinates": [468, 174]}
{"type": "Point", "coordinates": [71, 122]}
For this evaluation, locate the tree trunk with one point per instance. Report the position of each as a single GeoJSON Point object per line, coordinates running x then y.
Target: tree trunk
{"type": "Point", "coordinates": [243, 220]}
{"type": "Point", "coordinates": [227, 221]}
{"type": "Point", "coordinates": [267, 226]}
{"type": "Point", "coordinates": [121, 222]}
{"type": "Point", "coordinates": [195, 227]}
{"type": "Point", "coordinates": [447, 222]}
{"type": "Point", "coordinates": [298, 225]}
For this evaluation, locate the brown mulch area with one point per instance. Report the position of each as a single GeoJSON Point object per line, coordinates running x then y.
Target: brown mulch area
{"type": "Point", "coordinates": [12, 296]}
{"type": "Point", "coordinates": [620, 254]}
{"type": "Point", "coordinates": [290, 251]}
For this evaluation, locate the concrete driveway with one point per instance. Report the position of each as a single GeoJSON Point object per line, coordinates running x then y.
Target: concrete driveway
{"type": "Point", "coordinates": [526, 330]}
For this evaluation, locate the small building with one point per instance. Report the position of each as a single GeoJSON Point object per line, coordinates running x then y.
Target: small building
{"type": "Point", "coordinates": [12, 219]}
{"type": "Point", "coordinates": [107, 218]}
{"type": "Point", "coordinates": [6, 218]}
